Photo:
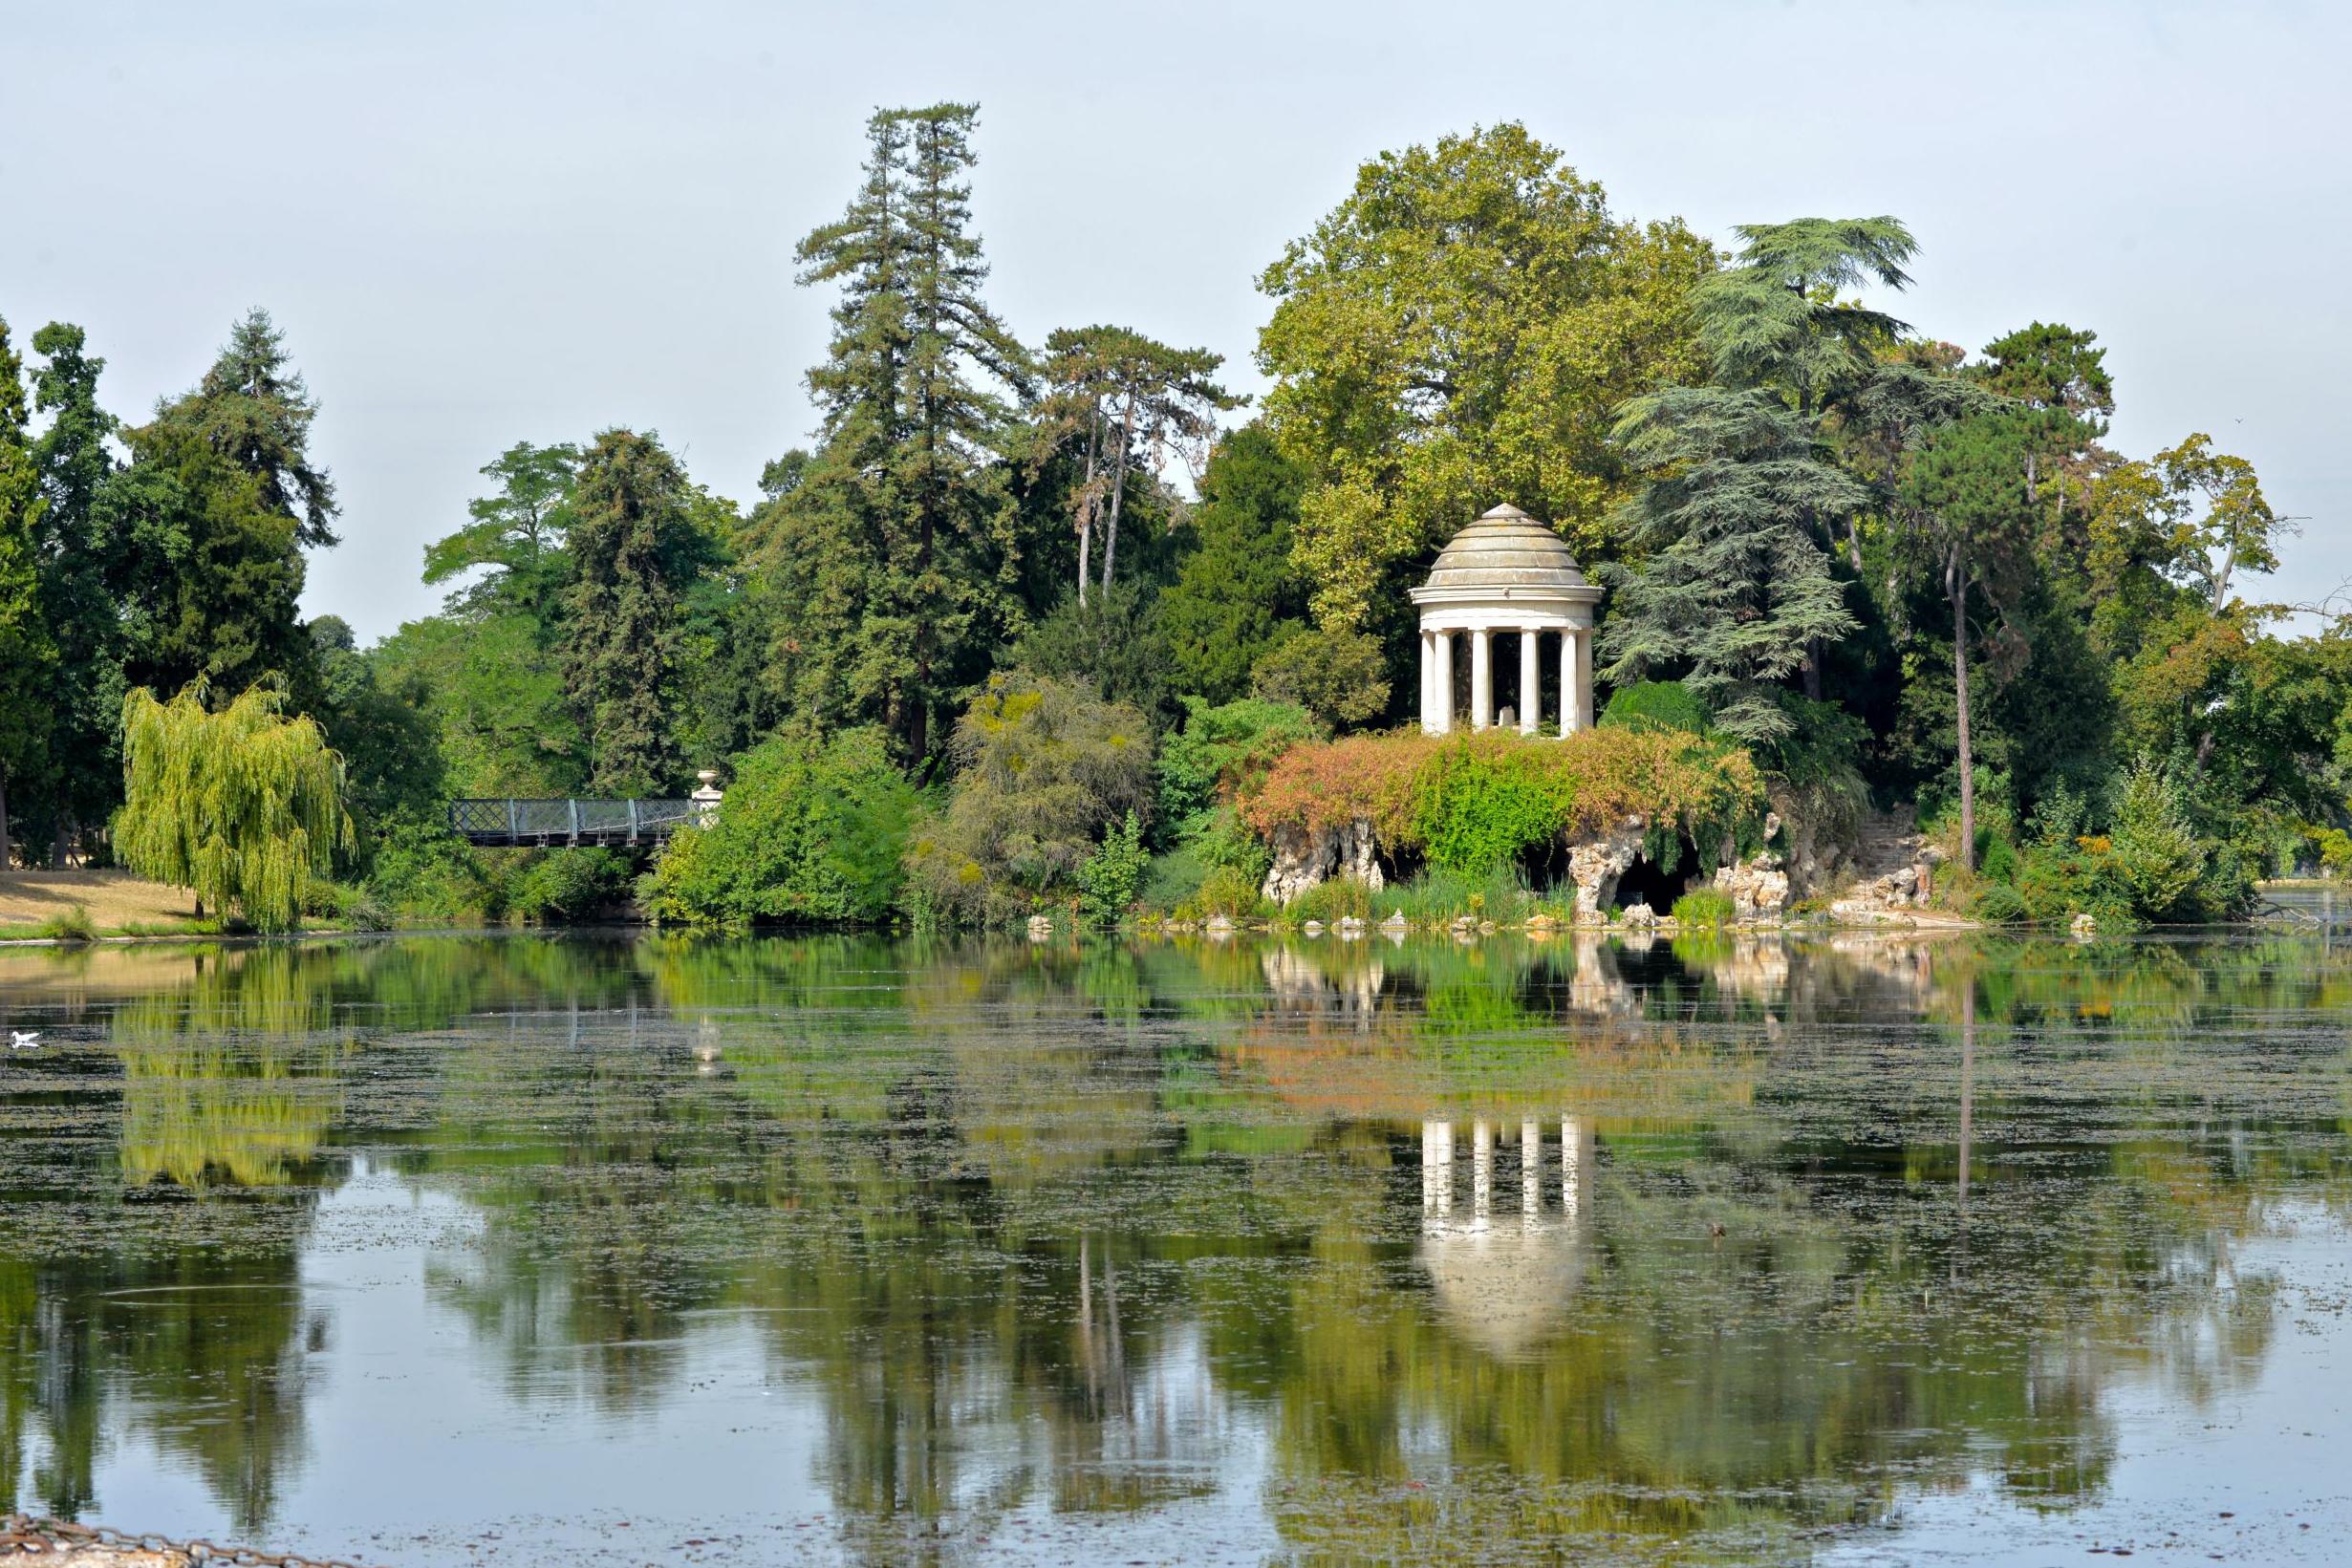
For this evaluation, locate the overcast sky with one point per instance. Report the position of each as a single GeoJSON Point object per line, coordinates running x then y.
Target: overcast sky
{"type": "Point", "coordinates": [485, 221]}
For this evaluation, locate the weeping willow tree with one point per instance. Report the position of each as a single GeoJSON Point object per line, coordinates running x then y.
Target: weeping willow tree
{"type": "Point", "coordinates": [244, 805]}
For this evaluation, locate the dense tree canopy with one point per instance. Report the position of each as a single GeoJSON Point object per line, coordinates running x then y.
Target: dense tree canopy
{"type": "Point", "coordinates": [962, 618]}
{"type": "Point", "coordinates": [1462, 331]}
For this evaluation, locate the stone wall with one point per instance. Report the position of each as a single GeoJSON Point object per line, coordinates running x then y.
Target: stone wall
{"type": "Point", "coordinates": [1885, 872]}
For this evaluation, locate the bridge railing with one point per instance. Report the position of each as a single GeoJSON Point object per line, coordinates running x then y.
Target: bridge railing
{"type": "Point", "coordinates": [518, 821]}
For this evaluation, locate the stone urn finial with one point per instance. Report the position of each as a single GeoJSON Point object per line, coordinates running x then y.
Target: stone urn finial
{"type": "Point", "coordinates": [706, 798]}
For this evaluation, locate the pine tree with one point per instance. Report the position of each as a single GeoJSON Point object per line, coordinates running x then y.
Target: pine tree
{"type": "Point", "coordinates": [892, 560]}
{"type": "Point", "coordinates": [633, 548]}
{"type": "Point", "coordinates": [1126, 400]}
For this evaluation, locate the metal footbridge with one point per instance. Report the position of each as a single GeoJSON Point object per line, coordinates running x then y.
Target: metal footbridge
{"type": "Point", "coordinates": [557, 823]}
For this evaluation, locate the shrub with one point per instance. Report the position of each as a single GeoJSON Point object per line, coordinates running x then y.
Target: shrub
{"type": "Point", "coordinates": [1338, 677]}
{"type": "Point", "coordinates": [72, 924]}
{"type": "Point", "coordinates": [2059, 881]}
{"type": "Point", "coordinates": [1470, 802]}
{"type": "Point", "coordinates": [1706, 907]}
{"type": "Point", "coordinates": [1226, 892]}
{"type": "Point", "coordinates": [567, 886]}
{"type": "Point", "coordinates": [1999, 904]}
{"type": "Point", "coordinates": [1224, 750]}
{"type": "Point", "coordinates": [1112, 877]}
{"type": "Point", "coordinates": [1044, 766]}
{"type": "Point", "coordinates": [1341, 898]}
{"type": "Point", "coordinates": [423, 869]}
{"type": "Point", "coordinates": [2000, 861]}
{"type": "Point", "coordinates": [1657, 706]}
{"type": "Point", "coordinates": [1224, 841]}
{"type": "Point", "coordinates": [1111, 644]}
{"type": "Point", "coordinates": [2156, 853]}
{"type": "Point", "coordinates": [352, 908]}
{"type": "Point", "coordinates": [808, 832]}
{"type": "Point", "coordinates": [1174, 879]}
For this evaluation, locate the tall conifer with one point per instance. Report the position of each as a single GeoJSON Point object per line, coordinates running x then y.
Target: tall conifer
{"type": "Point", "coordinates": [632, 550]}
{"type": "Point", "coordinates": [892, 560]}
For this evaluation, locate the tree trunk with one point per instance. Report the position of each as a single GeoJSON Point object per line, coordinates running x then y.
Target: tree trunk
{"type": "Point", "coordinates": [1959, 581]}
{"type": "Point", "coordinates": [3, 825]}
{"type": "Point", "coordinates": [1088, 500]}
{"type": "Point", "coordinates": [1854, 542]}
{"type": "Point", "coordinates": [1118, 489]}
{"type": "Point", "coordinates": [1813, 668]}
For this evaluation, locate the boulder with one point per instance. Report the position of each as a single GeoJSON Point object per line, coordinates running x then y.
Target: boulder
{"type": "Point", "coordinates": [1758, 886]}
{"type": "Point", "coordinates": [1303, 860]}
{"type": "Point", "coordinates": [1595, 864]}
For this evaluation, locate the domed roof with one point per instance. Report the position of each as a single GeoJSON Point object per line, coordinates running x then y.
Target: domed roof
{"type": "Point", "coordinates": [1506, 554]}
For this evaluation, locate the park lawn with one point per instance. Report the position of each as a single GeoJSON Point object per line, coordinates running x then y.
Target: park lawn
{"type": "Point", "coordinates": [116, 901]}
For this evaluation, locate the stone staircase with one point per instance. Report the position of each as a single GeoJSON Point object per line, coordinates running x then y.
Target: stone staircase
{"type": "Point", "coordinates": [1892, 868]}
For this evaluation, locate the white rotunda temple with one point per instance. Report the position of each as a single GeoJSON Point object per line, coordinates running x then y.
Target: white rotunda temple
{"type": "Point", "coordinates": [1506, 576]}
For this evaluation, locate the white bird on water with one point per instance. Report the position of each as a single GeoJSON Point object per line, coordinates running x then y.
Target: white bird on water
{"type": "Point", "coordinates": [23, 1039]}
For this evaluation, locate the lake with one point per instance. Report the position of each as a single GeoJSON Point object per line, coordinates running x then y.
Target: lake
{"type": "Point", "coordinates": [617, 1249]}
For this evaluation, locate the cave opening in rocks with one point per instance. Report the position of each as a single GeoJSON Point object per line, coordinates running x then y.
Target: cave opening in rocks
{"type": "Point", "coordinates": [1646, 882]}
{"type": "Point", "coordinates": [1544, 865]}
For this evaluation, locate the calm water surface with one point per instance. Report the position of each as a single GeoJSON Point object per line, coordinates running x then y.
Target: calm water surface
{"type": "Point", "coordinates": [436, 1250]}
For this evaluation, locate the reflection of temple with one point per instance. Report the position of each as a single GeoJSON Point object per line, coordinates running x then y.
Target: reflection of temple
{"type": "Point", "coordinates": [1503, 1282]}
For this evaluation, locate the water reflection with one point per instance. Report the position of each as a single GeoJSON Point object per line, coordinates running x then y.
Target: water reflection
{"type": "Point", "coordinates": [1355, 1248]}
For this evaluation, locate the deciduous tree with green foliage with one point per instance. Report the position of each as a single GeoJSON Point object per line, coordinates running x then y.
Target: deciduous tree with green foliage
{"type": "Point", "coordinates": [85, 569]}
{"type": "Point", "coordinates": [242, 805]}
{"type": "Point", "coordinates": [516, 539]}
{"type": "Point", "coordinates": [27, 653]}
{"type": "Point", "coordinates": [1462, 331]}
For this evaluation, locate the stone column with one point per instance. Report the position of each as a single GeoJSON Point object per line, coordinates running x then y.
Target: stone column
{"type": "Point", "coordinates": [1571, 1167]}
{"type": "Point", "coordinates": [1428, 671]}
{"type": "Point", "coordinates": [1443, 674]}
{"type": "Point", "coordinates": [1481, 1171]}
{"type": "Point", "coordinates": [1575, 681]}
{"type": "Point", "coordinates": [1567, 682]}
{"type": "Point", "coordinates": [1530, 682]}
{"type": "Point", "coordinates": [1437, 1168]}
{"type": "Point", "coordinates": [1530, 1171]}
{"type": "Point", "coordinates": [1481, 678]}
